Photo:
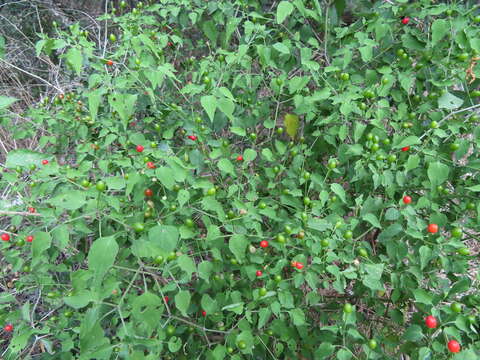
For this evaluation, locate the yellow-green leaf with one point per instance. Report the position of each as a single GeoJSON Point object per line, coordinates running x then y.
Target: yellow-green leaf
{"type": "Point", "coordinates": [291, 124]}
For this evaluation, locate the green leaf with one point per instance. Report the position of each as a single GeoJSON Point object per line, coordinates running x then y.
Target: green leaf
{"type": "Point", "coordinates": [209, 103]}
{"type": "Point", "coordinates": [339, 190]}
{"type": "Point", "coordinates": [298, 317]}
{"type": "Point", "coordinates": [78, 300]}
{"type": "Point", "coordinates": [24, 157]}
{"type": "Point", "coordinates": [75, 59]}
{"type": "Point", "coordinates": [164, 236]}
{"type": "Point", "coordinates": [182, 301]}
{"type": "Point", "coordinates": [101, 256]}
{"type": "Point", "coordinates": [475, 188]}
{"type": "Point", "coordinates": [324, 350]}
{"type": "Point", "coordinates": [174, 344]}
{"type": "Point", "coordinates": [226, 166]}
{"type": "Point", "coordinates": [208, 304]}
{"type": "Point", "coordinates": [291, 124]}
{"type": "Point", "coordinates": [437, 173]}
{"type": "Point", "coordinates": [183, 197]}
{"type": "Point", "coordinates": [249, 155]}
{"type": "Point", "coordinates": [422, 296]}
{"type": "Point", "coordinates": [413, 333]}
{"type": "Point", "coordinates": [411, 140]}
{"type": "Point", "coordinates": [440, 28]}
{"type": "Point", "coordinates": [205, 269]}
{"type": "Point", "coordinates": [187, 265]}
{"type": "Point", "coordinates": [210, 30]}
{"type": "Point", "coordinates": [372, 219]}
{"type": "Point", "coordinates": [449, 101]}
{"type": "Point", "coordinates": [70, 200]}
{"type": "Point", "coordinates": [226, 106]}
{"type": "Point", "coordinates": [166, 176]}
{"type": "Point", "coordinates": [42, 242]}
{"type": "Point", "coordinates": [281, 48]}
{"type": "Point", "coordinates": [6, 101]}
{"type": "Point", "coordinates": [284, 9]}
{"type": "Point", "coordinates": [237, 245]}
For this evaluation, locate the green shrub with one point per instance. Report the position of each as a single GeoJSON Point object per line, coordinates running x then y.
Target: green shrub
{"type": "Point", "coordinates": [245, 180]}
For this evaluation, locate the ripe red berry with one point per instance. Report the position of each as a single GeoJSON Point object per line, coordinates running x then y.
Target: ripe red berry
{"type": "Point", "coordinates": [432, 228]}
{"type": "Point", "coordinates": [31, 210]}
{"type": "Point", "coordinates": [405, 20]}
{"type": "Point", "coordinates": [151, 165]}
{"type": "Point", "coordinates": [140, 148]}
{"type": "Point", "coordinates": [166, 298]}
{"type": "Point", "coordinates": [454, 346]}
{"type": "Point", "coordinates": [29, 238]}
{"type": "Point", "coordinates": [44, 162]}
{"type": "Point", "coordinates": [109, 62]}
{"type": "Point", "coordinates": [293, 263]}
{"type": "Point", "coordinates": [405, 148]}
{"type": "Point", "coordinates": [192, 137]}
{"type": "Point", "coordinates": [204, 313]}
{"type": "Point", "coordinates": [148, 192]}
{"type": "Point", "coordinates": [259, 273]}
{"type": "Point", "coordinates": [264, 244]}
{"type": "Point", "coordinates": [239, 158]}
{"type": "Point", "coordinates": [299, 265]}
{"type": "Point", "coordinates": [431, 322]}
{"type": "Point", "coordinates": [8, 328]}
{"type": "Point", "coordinates": [170, 43]}
{"type": "Point", "coordinates": [5, 237]}
{"type": "Point", "coordinates": [407, 199]}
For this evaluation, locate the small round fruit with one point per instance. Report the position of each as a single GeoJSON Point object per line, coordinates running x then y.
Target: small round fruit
{"type": "Point", "coordinates": [264, 244]}
{"type": "Point", "coordinates": [170, 330]}
{"type": "Point", "coordinates": [407, 200]}
{"type": "Point", "coordinates": [242, 344]}
{"type": "Point", "coordinates": [262, 291]}
{"type": "Point", "coordinates": [332, 164]}
{"type": "Point", "coordinates": [391, 158]}
{"type": "Point", "coordinates": [158, 260]}
{"type": "Point", "coordinates": [262, 205]}
{"type": "Point", "coordinates": [148, 192]}
{"type": "Point", "coordinates": [100, 186]}
{"type": "Point", "coordinates": [344, 76]}
{"type": "Point", "coordinates": [347, 308]}
{"type": "Point", "coordinates": [281, 239]}
{"type": "Point", "coordinates": [454, 147]}
{"type": "Point", "coordinates": [239, 158]}
{"type": "Point", "coordinates": [258, 273]}
{"type": "Point", "coordinates": [405, 148]}
{"type": "Point", "coordinates": [433, 124]}
{"type": "Point", "coordinates": [471, 206]}
{"type": "Point", "coordinates": [299, 265]}
{"type": "Point", "coordinates": [68, 314]}
{"type": "Point", "coordinates": [277, 278]}
{"type": "Point", "coordinates": [112, 37]}
{"type": "Point", "coordinates": [138, 227]}
{"type": "Point", "coordinates": [5, 237]}
{"type": "Point", "coordinates": [44, 162]}
{"type": "Point", "coordinates": [29, 238]}
{"type": "Point", "coordinates": [453, 346]}
{"type": "Point", "coordinates": [212, 191]}
{"type": "Point", "coordinates": [348, 234]}
{"type": "Point", "coordinates": [432, 228]}
{"type": "Point", "coordinates": [139, 148]}
{"type": "Point", "coordinates": [8, 328]}
{"type": "Point", "coordinates": [324, 242]}
{"type": "Point", "coordinates": [372, 344]}
{"type": "Point", "coordinates": [204, 313]}
{"type": "Point", "coordinates": [464, 251]}
{"type": "Point", "coordinates": [457, 232]}
{"type": "Point", "coordinates": [405, 20]}
{"type": "Point", "coordinates": [363, 252]}
{"type": "Point", "coordinates": [151, 165]}
{"type": "Point", "coordinates": [431, 322]}
{"type": "Point", "coordinates": [456, 307]}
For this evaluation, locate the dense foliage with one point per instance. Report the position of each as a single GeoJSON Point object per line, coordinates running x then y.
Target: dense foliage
{"type": "Point", "coordinates": [242, 180]}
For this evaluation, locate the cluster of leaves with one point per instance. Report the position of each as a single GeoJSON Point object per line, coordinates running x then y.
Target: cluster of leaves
{"type": "Point", "coordinates": [248, 180]}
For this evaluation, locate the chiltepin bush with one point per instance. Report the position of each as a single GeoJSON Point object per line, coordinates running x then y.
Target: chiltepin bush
{"type": "Point", "coordinates": [300, 197]}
